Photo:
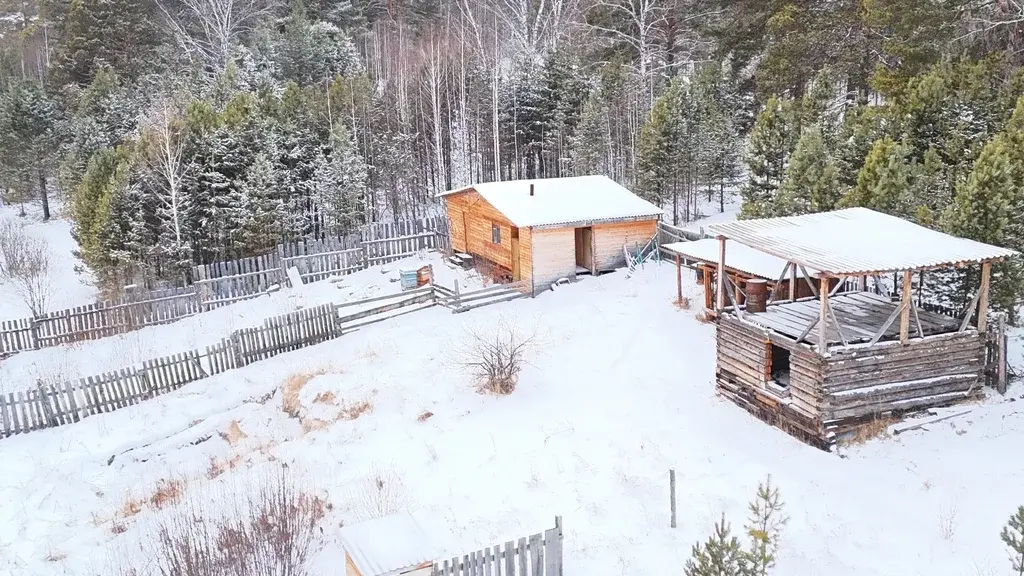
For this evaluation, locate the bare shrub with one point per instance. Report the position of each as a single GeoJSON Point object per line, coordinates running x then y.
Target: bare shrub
{"type": "Point", "coordinates": [682, 304]}
{"type": "Point", "coordinates": [25, 265]}
{"type": "Point", "coordinates": [167, 492]}
{"type": "Point", "coordinates": [383, 493]}
{"type": "Point", "coordinates": [495, 355]}
{"type": "Point", "coordinates": [264, 530]}
{"type": "Point", "coordinates": [947, 521]}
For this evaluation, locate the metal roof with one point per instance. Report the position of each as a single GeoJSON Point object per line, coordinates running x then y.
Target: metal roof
{"type": "Point", "coordinates": [385, 546]}
{"type": "Point", "coordinates": [856, 241]}
{"type": "Point", "coordinates": [578, 200]}
{"type": "Point", "coordinates": [737, 257]}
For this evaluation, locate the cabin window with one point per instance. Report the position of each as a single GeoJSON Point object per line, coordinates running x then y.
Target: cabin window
{"type": "Point", "coordinates": [495, 233]}
{"type": "Point", "coordinates": [779, 363]}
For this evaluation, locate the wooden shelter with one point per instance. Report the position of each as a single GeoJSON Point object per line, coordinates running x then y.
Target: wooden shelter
{"type": "Point", "coordinates": [743, 265]}
{"type": "Point", "coordinates": [397, 545]}
{"type": "Point", "coordinates": [822, 366]}
{"type": "Point", "coordinates": [539, 231]}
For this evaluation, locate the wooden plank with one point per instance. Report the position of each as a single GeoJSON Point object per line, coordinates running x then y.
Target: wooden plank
{"type": "Point", "coordinates": [537, 555]}
{"type": "Point", "coordinates": [521, 553]}
{"type": "Point", "coordinates": [510, 558]}
{"type": "Point", "coordinates": [905, 308]}
{"type": "Point", "coordinates": [553, 545]}
{"type": "Point", "coordinates": [5, 423]}
{"type": "Point", "coordinates": [986, 273]}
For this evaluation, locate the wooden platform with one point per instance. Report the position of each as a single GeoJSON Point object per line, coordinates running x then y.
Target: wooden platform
{"type": "Point", "coordinates": [860, 315]}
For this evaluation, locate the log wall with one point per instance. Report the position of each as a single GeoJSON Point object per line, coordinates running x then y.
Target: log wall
{"type": "Point", "coordinates": [610, 238]}
{"type": "Point", "coordinates": [554, 255]}
{"type": "Point", "coordinates": [471, 219]}
{"type": "Point", "coordinates": [867, 382]}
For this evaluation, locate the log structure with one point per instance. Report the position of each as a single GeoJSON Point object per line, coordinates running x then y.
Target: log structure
{"type": "Point", "coordinates": [821, 366]}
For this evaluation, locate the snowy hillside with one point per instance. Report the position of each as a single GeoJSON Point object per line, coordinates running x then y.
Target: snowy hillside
{"type": "Point", "coordinates": [618, 391]}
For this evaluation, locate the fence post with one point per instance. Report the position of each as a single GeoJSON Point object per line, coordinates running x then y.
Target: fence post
{"type": "Point", "coordinates": [672, 493]}
{"type": "Point", "coordinates": [34, 333]}
{"type": "Point", "coordinates": [1001, 354]}
{"type": "Point", "coordinates": [282, 274]}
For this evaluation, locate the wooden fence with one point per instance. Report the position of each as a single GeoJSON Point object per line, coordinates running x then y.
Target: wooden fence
{"type": "Point", "coordinates": [46, 406]}
{"type": "Point", "coordinates": [537, 555]}
{"type": "Point", "coordinates": [223, 283]}
{"type": "Point", "coordinates": [460, 301]}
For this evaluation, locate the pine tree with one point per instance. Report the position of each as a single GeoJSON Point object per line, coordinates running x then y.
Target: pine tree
{"type": "Point", "coordinates": [764, 526]}
{"type": "Point", "coordinates": [883, 182]}
{"type": "Point", "coordinates": [1013, 536]}
{"type": "Point", "coordinates": [721, 555]}
{"type": "Point", "coordinates": [117, 34]}
{"type": "Point", "coordinates": [658, 159]}
{"type": "Point", "coordinates": [771, 143]}
{"type": "Point", "coordinates": [812, 180]}
{"type": "Point", "coordinates": [341, 185]}
{"type": "Point", "coordinates": [29, 121]}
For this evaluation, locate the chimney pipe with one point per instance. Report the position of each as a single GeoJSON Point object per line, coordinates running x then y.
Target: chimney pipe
{"type": "Point", "coordinates": [531, 189]}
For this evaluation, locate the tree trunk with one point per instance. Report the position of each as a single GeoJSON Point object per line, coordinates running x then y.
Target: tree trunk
{"type": "Point", "coordinates": [43, 198]}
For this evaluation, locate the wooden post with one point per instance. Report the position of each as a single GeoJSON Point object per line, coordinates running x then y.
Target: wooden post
{"type": "Point", "coordinates": [823, 315]}
{"type": "Point", "coordinates": [1001, 356]}
{"type": "Point", "coordinates": [708, 289]}
{"type": "Point", "coordinates": [792, 282]}
{"type": "Point", "coordinates": [986, 273]}
{"type": "Point", "coordinates": [672, 493]}
{"type": "Point", "coordinates": [679, 281]}
{"type": "Point", "coordinates": [720, 296]}
{"type": "Point", "coordinates": [905, 296]}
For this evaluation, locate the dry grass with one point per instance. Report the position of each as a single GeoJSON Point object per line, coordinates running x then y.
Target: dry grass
{"type": "Point", "coordinates": [878, 428]}
{"type": "Point", "coordinates": [703, 317]}
{"type": "Point", "coordinates": [683, 304]}
{"type": "Point", "coordinates": [293, 386]}
{"type": "Point", "coordinates": [167, 492]}
{"type": "Point", "coordinates": [424, 416]}
{"type": "Point", "coordinates": [218, 467]}
{"type": "Point", "coordinates": [118, 528]}
{"type": "Point", "coordinates": [234, 433]}
{"type": "Point", "coordinates": [131, 507]}
{"type": "Point", "coordinates": [355, 410]}
{"type": "Point", "coordinates": [324, 398]}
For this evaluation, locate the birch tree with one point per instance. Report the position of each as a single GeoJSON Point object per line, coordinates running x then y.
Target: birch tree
{"type": "Point", "coordinates": [206, 29]}
{"type": "Point", "coordinates": [162, 145]}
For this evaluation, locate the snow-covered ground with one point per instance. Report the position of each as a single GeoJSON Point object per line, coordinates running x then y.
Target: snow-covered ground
{"type": "Point", "coordinates": [619, 390]}
{"type": "Point", "coordinates": [69, 288]}
{"type": "Point", "coordinates": [56, 364]}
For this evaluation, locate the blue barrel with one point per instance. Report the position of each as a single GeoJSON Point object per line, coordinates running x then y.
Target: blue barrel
{"type": "Point", "coordinates": [408, 279]}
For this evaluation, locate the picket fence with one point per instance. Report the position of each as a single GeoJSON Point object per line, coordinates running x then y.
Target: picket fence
{"type": "Point", "coordinates": [537, 555]}
{"type": "Point", "coordinates": [223, 283]}
{"type": "Point", "coordinates": [47, 406]}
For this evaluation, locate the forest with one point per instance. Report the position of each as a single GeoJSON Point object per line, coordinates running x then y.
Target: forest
{"type": "Point", "coordinates": [177, 132]}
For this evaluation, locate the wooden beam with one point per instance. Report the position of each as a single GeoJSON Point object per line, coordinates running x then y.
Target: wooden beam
{"type": "Point", "coordinates": [986, 273]}
{"type": "Point", "coordinates": [905, 308]}
{"type": "Point", "coordinates": [969, 312]}
{"type": "Point", "coordinates": [807, 330]}
{"type": "Point", "coordinates": [917, 319]}
{"type": "Point", "coordinates": [775, 288]}
{"type": "Point", "coordinates": [720, 301]}
{"type": "Point", "coordinates": [735, 305]}
{"type": "Point", "coordinates": [792, 281]}
{"type": "Point", "coordinates": [679, 281]}
{"type": "Point", "coordinates": [822, 316]}
{"type": "Point", "coordinates": [807, 278]}
{"type": "Point", "coordinates": [708, 288]}
{"type": "Point", "coordinates": [885, 326]}
{"type": "Point", "coordinates": [835, 320]}
{"type": "Point", "coordinates": [842, 279]}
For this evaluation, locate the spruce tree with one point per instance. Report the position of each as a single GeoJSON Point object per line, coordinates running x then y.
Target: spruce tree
{"type": "Point", "coordinates": [771, 142]}
{"type": "Point", "coordinates": [341, 185]}
{"type": "Point", "coordinates": [29, 121]}
{"type": "Point", "coordinates": [659, 155]}
{"type": "Point", "coordinates": [883, 182]}
{"type": "Point", "coordinates": [1013, 536]}
{"type": "Point", "coordinates": [721, 555]}
{"type": "Point", "coordinates": [812, 180]}
{"type": "Point", "coordinates": [590, 143]}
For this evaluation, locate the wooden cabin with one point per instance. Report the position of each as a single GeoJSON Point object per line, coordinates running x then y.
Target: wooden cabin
{"type": "Point", "coordinates": [397, 545]}
{"type": "Point", "coordinates": [539, 231]}
{"type": "Point", "coordinates": [743, 265]}
{"type": "Point", "coordinates": [820, 367]}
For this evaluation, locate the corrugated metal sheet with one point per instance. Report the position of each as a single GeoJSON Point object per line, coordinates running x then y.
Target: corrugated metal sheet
{"type": "Point", "coordinates": [738, 257]}
{"type": "Point", "coordinates": [385, 545]}
{"type": "Point", "coordinates": [856, 241]}
{"type": "Point", "coordinates": [557, 202]}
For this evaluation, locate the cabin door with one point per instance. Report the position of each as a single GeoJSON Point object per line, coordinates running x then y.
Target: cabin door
{"type": "Point", "coordinates": [516, 272]}
{"type": "Point", "coordinates": [585, 250]}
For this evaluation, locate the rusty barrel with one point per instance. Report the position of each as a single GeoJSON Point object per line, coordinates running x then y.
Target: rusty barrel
{"type": "Point", "coordinates": [757, 295]}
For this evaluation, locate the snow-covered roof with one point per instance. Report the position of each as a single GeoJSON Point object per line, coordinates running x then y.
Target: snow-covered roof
{"type": "Point", "coordinates": [563, 201]}
{"type": "Point", "coordinates": [737, 257]}
{"type": "Point", "coordinates": [856, 241]}
{"type": "Point", "coordinates": [385, 545]}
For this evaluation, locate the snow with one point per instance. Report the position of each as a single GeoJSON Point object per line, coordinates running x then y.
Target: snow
{"type": "Point", "coordinates": [569, 200]}
{"type": "Point", "coordinates": [402, 540]}
{"type": "Point", "coordinates": [56, 364]}
{"type": "Point", "coordinates": [600, 414]}
{"type": "Point", "coordinates": [737, 256]}
{"type": "Point", "coordinates": [70, 288]}
{"type": "Point", "coordinates": [856, 241]}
